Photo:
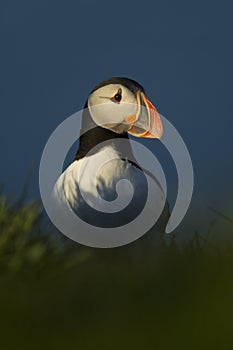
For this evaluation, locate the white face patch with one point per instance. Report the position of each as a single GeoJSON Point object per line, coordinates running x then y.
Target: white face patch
{"type": "Point", "coordinates": [107, 111]}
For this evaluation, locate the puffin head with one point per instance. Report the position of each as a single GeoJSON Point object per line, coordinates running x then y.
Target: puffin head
{"type": "Point", "coordinates": [121, 106]}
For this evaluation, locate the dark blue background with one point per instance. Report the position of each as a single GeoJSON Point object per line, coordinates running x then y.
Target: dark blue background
{"type": "Point", "coordinates": [53, 53]}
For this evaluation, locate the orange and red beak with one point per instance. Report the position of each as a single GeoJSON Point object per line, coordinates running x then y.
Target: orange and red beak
{"type": "Point", "coordinates": [146, 122]}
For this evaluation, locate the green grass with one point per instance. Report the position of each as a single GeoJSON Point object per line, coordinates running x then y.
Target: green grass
{"type": "Point", "coordinates": [57, 294]}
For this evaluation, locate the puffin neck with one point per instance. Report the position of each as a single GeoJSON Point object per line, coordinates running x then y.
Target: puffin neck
{"type": "Point", "coordinates": [95, 136]}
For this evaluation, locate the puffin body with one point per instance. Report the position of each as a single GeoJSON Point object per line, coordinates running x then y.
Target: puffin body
{"type": "Point", "coordinates": [86, 193]}
{"type": "Point", "coordinates": [104, 186]}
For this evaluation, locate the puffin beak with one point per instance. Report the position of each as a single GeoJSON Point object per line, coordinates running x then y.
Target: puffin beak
{"type": "Point", "coordinates": [147, 122]}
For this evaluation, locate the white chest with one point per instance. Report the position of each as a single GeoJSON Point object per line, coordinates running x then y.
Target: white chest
{"type": "Point", "coordinates": [105, 190]}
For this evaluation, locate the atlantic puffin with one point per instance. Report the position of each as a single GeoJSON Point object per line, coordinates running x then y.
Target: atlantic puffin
{"type": "Point", "coordinates": [116, 108]}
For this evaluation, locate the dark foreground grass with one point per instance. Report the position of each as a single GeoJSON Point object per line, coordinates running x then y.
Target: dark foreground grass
{"type": "Point", "coordinates": [55, 294]}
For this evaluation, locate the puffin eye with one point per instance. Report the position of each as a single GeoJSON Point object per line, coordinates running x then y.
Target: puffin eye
{"type": "Point", "coordinates": [117, 97]}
